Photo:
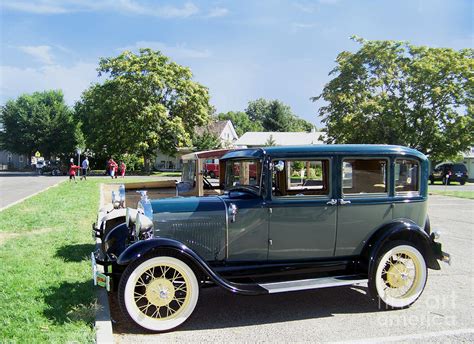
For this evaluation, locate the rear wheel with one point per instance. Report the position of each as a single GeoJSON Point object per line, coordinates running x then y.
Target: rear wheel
{"type": "Point", "coordinates": [158, 293]}
{"type": "Point", "coordinates": [399, 276]}
{"type": "Point", "coordinates": [462, 182]}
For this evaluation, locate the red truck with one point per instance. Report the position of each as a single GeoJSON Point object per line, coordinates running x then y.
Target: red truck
{"type": "Point", "coordinates": [211, 168]}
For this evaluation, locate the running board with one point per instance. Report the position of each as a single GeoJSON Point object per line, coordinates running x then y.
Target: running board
{"type": "Point", "coordinates": [315, 283]}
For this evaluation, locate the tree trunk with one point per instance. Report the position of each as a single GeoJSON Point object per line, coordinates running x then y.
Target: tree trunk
{"type": "Point", "coordinates": [146, 164]}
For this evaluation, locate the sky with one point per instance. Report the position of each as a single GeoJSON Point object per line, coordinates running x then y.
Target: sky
{"type": "Point", "coordinates": [241, 50]}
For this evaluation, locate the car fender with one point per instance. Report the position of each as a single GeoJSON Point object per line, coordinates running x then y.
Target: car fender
{"type": "Point", "coordinates": [401, 229]}
{"type": "Point", "coordinates": [151, 246]}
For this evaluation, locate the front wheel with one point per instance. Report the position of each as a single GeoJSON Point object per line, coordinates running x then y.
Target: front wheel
{"type": "Point", "coordinates": [158, 293]}
{"type": "Point", "coordinates": [399, 276]}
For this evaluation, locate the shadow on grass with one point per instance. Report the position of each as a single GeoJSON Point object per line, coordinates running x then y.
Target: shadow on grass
{"type": "Point", "coordinates": [75, 253]}
{"type": "Point", "coordinates": [70, 302]}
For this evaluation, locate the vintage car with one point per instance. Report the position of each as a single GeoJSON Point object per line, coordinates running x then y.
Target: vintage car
{"type": "Point", "coordinates": [313, 217]}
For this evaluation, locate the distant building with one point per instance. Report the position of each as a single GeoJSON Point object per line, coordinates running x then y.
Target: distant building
{"type": "Point", "coordinates": [12, 161]}
{"type": "Point", "coordinates": [223, 129]}
{"type": "Point", "coordinates": [468, 160]}
{"type": "Point", "coordinates": [260, 139]}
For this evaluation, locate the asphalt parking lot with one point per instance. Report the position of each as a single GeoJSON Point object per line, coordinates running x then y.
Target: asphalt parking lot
{"type": "Point", "coordinates": [443, 314]}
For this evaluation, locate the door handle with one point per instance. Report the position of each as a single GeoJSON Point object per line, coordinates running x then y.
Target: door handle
{"type": "Point", "coordinates": [332, 202]}
{"type": "Point", "coordinates": [342, 202]}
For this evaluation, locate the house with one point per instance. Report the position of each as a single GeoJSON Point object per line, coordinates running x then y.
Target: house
{"type": "Point", "coordinates": [223, 129]}
{"type": "Point", "coordinates": [13, 161]}
{"type": "Point", "coordinates": [259, 139]}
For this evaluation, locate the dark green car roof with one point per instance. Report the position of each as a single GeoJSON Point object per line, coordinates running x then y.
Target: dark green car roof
{"type": "Point", "coordinates": [354, 149]}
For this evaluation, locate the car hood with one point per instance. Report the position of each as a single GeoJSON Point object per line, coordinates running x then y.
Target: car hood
{"type": "Point", "coordinates": [198, 222]}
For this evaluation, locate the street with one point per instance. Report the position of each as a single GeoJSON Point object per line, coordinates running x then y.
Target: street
{"type": "Point", "coordinates": [18, 186]}
{"type": "Point", "coordinates": [345, 314]}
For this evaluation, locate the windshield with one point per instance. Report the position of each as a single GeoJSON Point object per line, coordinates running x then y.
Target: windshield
{"type": "Point", "coordinates": [243, 173]}
{"type": "Point", "coordinates": [189, 168]}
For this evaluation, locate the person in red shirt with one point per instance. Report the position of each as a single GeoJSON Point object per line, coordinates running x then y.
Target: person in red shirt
{"type": "Point", "coordinates": [123, 168]}
{"type": "Point", "coordinates": [72, 170]}
{"type": "Point", "coordinates": [113, 168]}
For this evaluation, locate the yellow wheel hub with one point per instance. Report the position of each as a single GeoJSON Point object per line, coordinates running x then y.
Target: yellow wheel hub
{"type": "Point", "coordinates": [397, 275]}
{"type": "Point", "coordinates": [160, 292]}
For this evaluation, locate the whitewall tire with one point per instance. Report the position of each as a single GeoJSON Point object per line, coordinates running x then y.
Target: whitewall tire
{"type": "Point", "coordinates": [399, 276]}
{"type": "Point", "coordinates": [158, 293]}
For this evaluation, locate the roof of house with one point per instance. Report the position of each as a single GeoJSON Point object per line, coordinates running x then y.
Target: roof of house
{"type": "Point", "coordinates": [254, 138]}
{"type": "Point", "coordinates": [215, 128]}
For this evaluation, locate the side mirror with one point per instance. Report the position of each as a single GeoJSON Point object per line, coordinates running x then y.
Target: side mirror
{"type": "Point", "coordinates": [279, 166]}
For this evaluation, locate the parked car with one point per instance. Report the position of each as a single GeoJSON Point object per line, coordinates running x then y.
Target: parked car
{"type": "Point", "coordinates": [449, 172]}
{"type": "Point", "coordinates": [52, 167]}
{"type": "Point", "coordinates": [313, 217]}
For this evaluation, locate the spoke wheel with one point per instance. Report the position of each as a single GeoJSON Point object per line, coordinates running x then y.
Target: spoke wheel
{"type": "Point", "coordinates": [158, 293]}
{"type": "Point", "coordinates": [399, 277]}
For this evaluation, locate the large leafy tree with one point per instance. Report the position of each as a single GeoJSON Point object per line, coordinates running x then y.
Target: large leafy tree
{"type": "Point", "coordinates": [273, 115]}
{"type": "Point", "coordinates": [146, 102]}
{"type": "Point", "coordinates": [241, 122]}
{"type": "Point", "coordinates": [39, 122]}
{"type": "Point", "coordinates": [397, 93]}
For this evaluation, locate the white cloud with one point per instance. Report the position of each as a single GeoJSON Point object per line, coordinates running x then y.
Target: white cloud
{"type": "Point", "coordinates": [40, 52]}
{"type": "Point", "coordinates": [72, 80]}
{"type": "Point", "coordinates": [179, 51]}
{"type": "Point", "coordinates": [218, 12]}
{"type": "Point", "coordinates": [123, 6]}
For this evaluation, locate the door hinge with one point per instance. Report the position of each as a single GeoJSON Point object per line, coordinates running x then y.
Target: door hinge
{"type": "Point", "coordinates": [270, 242]}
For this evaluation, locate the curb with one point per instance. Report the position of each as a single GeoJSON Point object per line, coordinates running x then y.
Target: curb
{"type": "Point", "coordinates": [29, 196]}
{"type": "Point", "coordinates": [103, 321]}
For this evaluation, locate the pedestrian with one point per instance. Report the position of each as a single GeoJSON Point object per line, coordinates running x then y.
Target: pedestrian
{"type": "Point", "coordinates": [85, 167]}
{"type": "Point", "coordinates": [72, 170]}
{"type": "Point", "coordinates": [113, 168]}
{"type": "Point", "coordinates": [123, 168]}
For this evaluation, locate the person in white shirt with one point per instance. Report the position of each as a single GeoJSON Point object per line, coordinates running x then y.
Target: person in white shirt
{"type": "Point", "coordinates": [85, 167]}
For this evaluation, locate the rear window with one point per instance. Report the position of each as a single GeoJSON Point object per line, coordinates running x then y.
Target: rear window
{"type": "Point", "coordinates": [459, 168]}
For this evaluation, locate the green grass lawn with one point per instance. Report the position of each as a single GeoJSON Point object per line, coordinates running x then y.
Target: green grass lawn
{"type": "Point", "coordinates": [46, 293]}
{"type": "Point", "coordinates": [460, 194]}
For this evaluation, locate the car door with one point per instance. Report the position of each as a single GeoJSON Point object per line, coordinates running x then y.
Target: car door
{"type": "Point", "coordinates": [302, 211]}
{"type": "Point", "coordinates": [364, 203]}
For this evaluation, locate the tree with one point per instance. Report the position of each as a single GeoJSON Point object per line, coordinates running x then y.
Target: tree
{"type": "Point", "coordinates": [147, 102]}
{"type": "Point", "coordinates": [206, 141]}
{"type": "Point", "coordinates": [241, 122]}
{"type": "Point", "coordinates": [274, 115]}
{"type": "Point", "coordinates": [270, 141]}
{"type": "Point", "coordinates": [39, 122]}
{"type": "Point", "coordinates": [397, 93]}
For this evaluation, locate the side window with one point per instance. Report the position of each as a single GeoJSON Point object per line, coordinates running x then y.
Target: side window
{"type": "Point", "coordinates": [302, 178]}
{"type": "Point", "coordinates": [364, 176]}
{"type": "Point", "coordinates": [407, 173]}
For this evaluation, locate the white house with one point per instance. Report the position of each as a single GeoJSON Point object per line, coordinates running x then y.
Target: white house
{"type": "Point", "coordinates": [223, 129]}
{"type": "Point", "coordinates": [260, 139]}
{"type": "Point", "coordinates": [468, 160]}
